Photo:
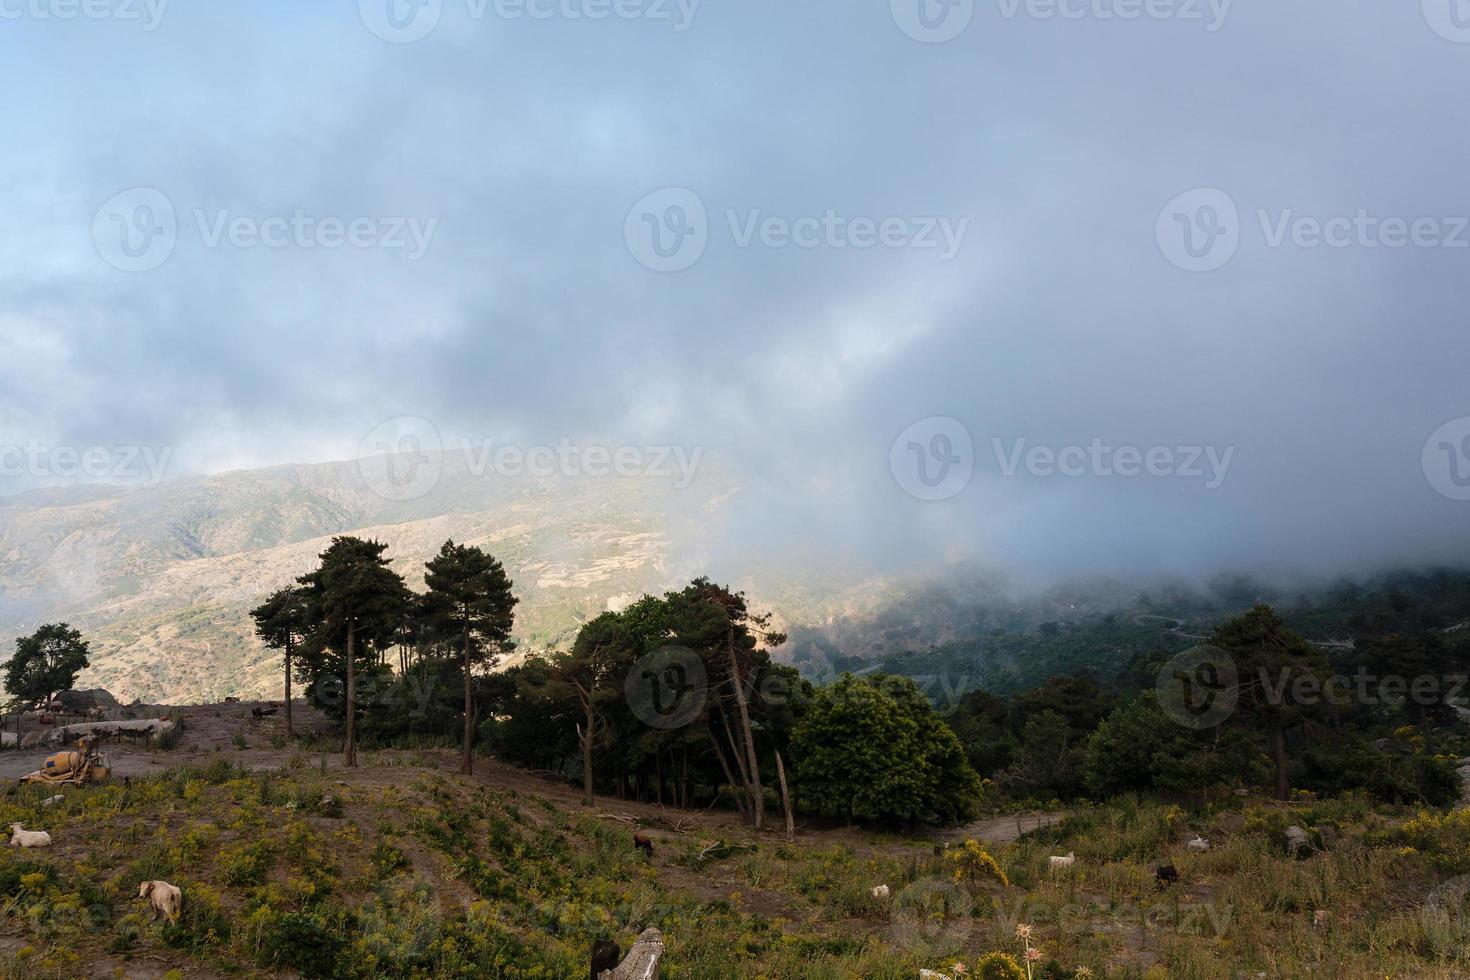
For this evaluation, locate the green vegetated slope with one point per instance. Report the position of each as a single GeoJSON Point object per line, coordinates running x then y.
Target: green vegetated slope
{"type": "Point", "coordinates": [399, 870]}
{"type": "Point", "coordinates": [1108, 642]}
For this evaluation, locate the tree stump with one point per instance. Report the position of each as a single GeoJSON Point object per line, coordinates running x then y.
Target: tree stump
{"type": "Point", "coordinates": [642, 961]}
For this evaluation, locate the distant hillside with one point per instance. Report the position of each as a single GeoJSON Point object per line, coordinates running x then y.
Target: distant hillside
{"type": "Point", "coordinates": [162, 578]}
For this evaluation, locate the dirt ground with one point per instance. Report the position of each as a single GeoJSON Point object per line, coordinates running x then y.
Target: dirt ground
{"type": "Point", "coordinates": [230, 731]}
{"type": "Point", "coordinates": [208, 729]}
{"type": "Point", "coordinates": [217, 730]}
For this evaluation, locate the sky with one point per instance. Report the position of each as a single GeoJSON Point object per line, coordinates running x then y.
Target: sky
{"type": "Point", "coordinates": [1062, 286]}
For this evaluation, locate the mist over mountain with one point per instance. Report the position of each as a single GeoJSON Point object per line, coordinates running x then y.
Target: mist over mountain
{"type": "Point", "coordinates": [162, 577]}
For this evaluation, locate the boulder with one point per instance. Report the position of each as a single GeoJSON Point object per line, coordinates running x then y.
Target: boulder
{"type": "Point", "coordinates": [82, 700]}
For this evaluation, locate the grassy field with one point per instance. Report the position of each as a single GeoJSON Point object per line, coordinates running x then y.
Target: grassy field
{"type": "Point", "coordinates": [402, 868]}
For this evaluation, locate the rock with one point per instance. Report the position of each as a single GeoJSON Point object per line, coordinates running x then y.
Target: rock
{"type": "Point", "coordinates": [82, 700]}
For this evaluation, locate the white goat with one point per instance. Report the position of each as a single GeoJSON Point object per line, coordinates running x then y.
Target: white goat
{"type": "Point", "coordinates": [20, 837]}
{"type": "Point", "coordinates": [880, 891]}
{"type": "Point", "coordinates": [163, 897]}
{"type": "Point", "coordinates": [1062, 863]}
{"type": "Point", "coordinates": [1199, 845]}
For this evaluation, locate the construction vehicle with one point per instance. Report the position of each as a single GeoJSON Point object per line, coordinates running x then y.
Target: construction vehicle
{"type": "Point", "coordinates": [73, 768]}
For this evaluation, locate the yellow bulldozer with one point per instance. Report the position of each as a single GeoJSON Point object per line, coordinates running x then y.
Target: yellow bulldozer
{"type": "Point", "coordinates": [73, 768]}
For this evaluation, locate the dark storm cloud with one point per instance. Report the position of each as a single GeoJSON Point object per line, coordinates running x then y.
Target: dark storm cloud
{"type": "Point", "coordinates": [1053, 143]}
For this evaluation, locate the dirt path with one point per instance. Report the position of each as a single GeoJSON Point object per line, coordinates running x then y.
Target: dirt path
{"type": "Point", "coordinates": [1002, 830]}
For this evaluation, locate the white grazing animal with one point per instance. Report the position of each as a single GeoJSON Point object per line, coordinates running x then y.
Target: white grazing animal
{"type": "Point", "coordinates": [880, 891]}
{"type": "Point", "coordinates": [20, 837]}
{"type": "Point", "coordinates": [1062, 863]}
{"type": "Point", "coordinates": [1199, 844]}
{"type": "Point", "coordinates": [163, 897]}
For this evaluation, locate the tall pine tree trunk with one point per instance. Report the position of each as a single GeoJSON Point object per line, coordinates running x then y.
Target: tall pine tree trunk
{"type": "Point", "coordinates": [785, 799]}
{"type": "Point", "coordinates": [744, 785]}
{"type": "Point", "coordinates": [758, 801]}
{"type": "Point", "coordinates": [587, 745]}
{"type": "Point", "coordinates": [350, 756]}
{"type": "Point", "coordinates": [738, 787]}
{"type": "Point", "coordinates": [289, 732]}
{"type": "Point", "coordinates": [466, 763]}
{"type": "Point", "coordinates": [1278, 752]}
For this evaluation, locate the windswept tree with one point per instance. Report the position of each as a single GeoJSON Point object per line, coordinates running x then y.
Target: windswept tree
{"type": "Point", "coordinates": [469, 600]}
{"type": "Point", "coordinates": [733, 642]}
{"type": "Point", "coordinates": [45, 663]}
{"type": "Point", "coordinates": [280, 622]}
{"type": "Point", "coordinates": [355, 601]}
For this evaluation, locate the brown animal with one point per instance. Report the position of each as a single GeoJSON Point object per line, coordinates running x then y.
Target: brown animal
{"type": "Point", "coordinates": [163, 897]}
{"type": "Point", "coordinates": [605, 954]}
{"type": "Point", "coordinates": [262, 712]}
{"type": "Point", "coordinates": [1166, 875]}
{"type": "Point", "coordinates": [643, 843]}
